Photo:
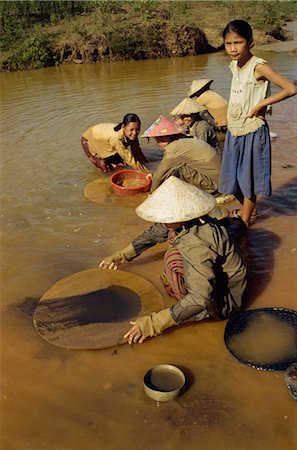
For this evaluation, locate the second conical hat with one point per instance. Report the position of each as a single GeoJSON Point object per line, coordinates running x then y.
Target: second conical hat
{"type": "Point", "coordinates": [175, 201]}
{"type": "Point", "coordinates": [197, 85]}
{"type": "Point", "coordinates": [187, 106]}
{"type": "Point", "coordinates": [162, 127]}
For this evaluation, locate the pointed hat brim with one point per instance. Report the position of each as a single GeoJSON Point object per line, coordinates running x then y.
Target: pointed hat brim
{"type": "Point", "coordinates": [175, 201]}
{"type": "Point", "coordinates": [187, 106]}
{"type": "Point", "coordinates": [197, 85]}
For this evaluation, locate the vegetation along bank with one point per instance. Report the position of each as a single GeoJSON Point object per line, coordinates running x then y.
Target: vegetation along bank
{"type": "Point", "coordinates": [38, 34]}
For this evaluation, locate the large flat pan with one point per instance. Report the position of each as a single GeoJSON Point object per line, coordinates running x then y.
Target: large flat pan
{"type": "Point", "coordinates": [93, 309]}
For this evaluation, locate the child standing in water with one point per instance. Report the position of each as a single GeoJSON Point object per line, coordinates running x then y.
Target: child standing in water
{"type": "Point", "coordinates": [246, 164]}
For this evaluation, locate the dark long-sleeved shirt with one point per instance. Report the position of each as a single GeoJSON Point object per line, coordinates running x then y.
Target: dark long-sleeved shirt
{"type": "Point", "coordinates": [202, 130]}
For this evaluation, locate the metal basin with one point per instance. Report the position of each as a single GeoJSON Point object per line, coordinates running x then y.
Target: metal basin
{"type": "Point", "coordinates": [164, 382]}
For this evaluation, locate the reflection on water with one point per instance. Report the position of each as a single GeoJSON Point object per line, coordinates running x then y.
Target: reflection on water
{"type": "Point", "coordinates": [50, 230]}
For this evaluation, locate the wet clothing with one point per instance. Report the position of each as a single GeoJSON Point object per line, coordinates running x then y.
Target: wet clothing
{"type": "Point", "coordinates": [215, 105]}
{"type": "Point", "coordinates": [106, 164]}
{"type": "Point", "coordinates": [215, 275]}
{"type": "Point", "coordinates": [246, 92]}
{"type": "Point", "coordinates": [246, 164]}
{"type": "Point", "coordinates": [103, 142]}
{"type": "Point", "coordinates": [202, 130]}
{"type": "Point", "coordinates": [191, 160]}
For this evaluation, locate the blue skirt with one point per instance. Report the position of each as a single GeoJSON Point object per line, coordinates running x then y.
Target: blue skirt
{"type": "Point", "coordinates": [246, 164]}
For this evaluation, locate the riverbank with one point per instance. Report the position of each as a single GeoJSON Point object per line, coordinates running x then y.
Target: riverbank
{"type": "Point", "coordinates": [103, 31]}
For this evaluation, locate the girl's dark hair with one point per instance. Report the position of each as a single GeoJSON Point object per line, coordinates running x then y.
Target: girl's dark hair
{"type": "Point", "coordinates": [128, 118]}
{"type": "Point", "coordinates": [240, 27]}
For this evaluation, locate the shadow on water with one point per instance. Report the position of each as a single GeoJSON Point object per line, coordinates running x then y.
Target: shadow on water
{"type": "Point", "coordinates": [282, 202]}
{"type": "Point", "coordinates": [262, 245]}
{"type": "Point", "coordinates": [27, 306]}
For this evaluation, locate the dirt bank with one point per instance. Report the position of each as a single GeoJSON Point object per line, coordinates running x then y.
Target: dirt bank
{"type": "Point", "coordinates": [114, 31]}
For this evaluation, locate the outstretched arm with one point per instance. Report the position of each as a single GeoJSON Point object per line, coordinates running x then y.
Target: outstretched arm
{"type": "Point", "coordinates": [118, 258]}
{"type": "Point", "coordinates": [127, 156]}
{"type": "Point", "coordinates": [157, 233]}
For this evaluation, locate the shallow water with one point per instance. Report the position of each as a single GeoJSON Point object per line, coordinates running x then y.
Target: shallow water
{"type": "Point", "coordinates": [58, 399]}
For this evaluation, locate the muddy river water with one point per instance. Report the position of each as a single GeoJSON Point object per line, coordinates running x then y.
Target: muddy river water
{"type": "Point", "coordinates": [94, 399]}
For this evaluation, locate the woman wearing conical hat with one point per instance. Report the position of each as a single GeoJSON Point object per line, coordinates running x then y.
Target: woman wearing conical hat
{"type": "Point", "coordinates": [202, 268]}
{"type": "Point", "coordinates": [186, 157]}
{"type": "Point", "coordinates": [188, 115]}
{"type": "Point", "coordinates": [215, 104]}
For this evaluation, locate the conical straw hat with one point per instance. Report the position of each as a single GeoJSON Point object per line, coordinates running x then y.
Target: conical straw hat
{"type": "Point", "coordinates": [162, 127]}
{"type": "Point", "coordinates": [197, 85]}
{"type": "Point", "coordinates": [187, 106]}
{"type": "Point", "coordinates": [175, 201]}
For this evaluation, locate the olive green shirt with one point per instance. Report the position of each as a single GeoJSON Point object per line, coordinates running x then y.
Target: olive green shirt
{"type": "Point", "coordinates": [196, 161]}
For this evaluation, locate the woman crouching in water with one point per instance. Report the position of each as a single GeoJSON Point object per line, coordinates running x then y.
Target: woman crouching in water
{"type": "Point", "coordinates": [109, 146]}
{"type": "Point", "coordinates": [203, 269]}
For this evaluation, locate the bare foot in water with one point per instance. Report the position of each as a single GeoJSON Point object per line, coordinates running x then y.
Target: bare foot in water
{"type": "Point", "coordinates": [238, 213]}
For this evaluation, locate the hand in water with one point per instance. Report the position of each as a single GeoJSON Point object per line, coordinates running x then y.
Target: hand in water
{"type": "Point", "coordinates": [108, 265]}
{"type": "Point", "coordinates": [112, 262]}
{"type": "Point", "coordinates": [134, 335]}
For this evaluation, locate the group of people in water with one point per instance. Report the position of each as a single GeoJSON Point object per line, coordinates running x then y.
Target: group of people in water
{"type": "Point", "coordinates": [203, 267]}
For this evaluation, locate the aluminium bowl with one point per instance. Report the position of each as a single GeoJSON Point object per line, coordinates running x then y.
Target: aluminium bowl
{"type": "Point", "coordinates": [164, 382]}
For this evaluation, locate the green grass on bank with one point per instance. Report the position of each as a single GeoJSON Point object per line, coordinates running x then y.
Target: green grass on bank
{"type": "Point", "coordinates": [38, 34]}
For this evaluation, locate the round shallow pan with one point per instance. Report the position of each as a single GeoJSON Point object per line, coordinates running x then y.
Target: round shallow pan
{"type": "Point", "coordinates": [264, 338]}
{"type": "Point", "coordinates": [93, 308]}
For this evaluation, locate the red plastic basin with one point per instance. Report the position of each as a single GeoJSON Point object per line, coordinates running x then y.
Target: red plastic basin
{"type": "Point", "coordinates": [129, 182]}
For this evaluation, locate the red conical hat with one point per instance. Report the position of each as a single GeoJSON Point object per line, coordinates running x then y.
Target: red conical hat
{"type": "Point", "coordinates": [162, 127]}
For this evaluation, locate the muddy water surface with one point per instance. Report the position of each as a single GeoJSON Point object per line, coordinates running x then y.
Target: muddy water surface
{"type": "Point", "coordinates": [58, 399]}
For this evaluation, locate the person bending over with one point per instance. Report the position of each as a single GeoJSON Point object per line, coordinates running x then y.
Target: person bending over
{"type": "Point", "coordinates": [203, 268]}
{"type": "Point", "coordinates": [109, 146]}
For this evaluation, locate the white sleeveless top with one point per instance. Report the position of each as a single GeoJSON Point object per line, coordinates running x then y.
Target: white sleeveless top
{"type": "Point", "coordinates": [245, 93]}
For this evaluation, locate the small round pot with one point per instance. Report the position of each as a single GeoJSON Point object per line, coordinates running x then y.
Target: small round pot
{"type": "Point", "coordinates": [164, 382]}
{"type": "Point", "coordinates": [129, 182]}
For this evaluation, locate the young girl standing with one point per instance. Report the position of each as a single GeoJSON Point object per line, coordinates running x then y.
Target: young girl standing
{"type": "Point", "coordinates": [246, 164]}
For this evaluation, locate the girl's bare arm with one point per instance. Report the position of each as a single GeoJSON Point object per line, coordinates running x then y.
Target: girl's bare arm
{"type": "Point", "coordinates": [288, 88]}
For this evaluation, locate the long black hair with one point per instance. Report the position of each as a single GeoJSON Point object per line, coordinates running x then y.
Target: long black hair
{"type": "Point", "coordinates": [128, 118]}
{"type": "Point", "coordinates": [240, 27]}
